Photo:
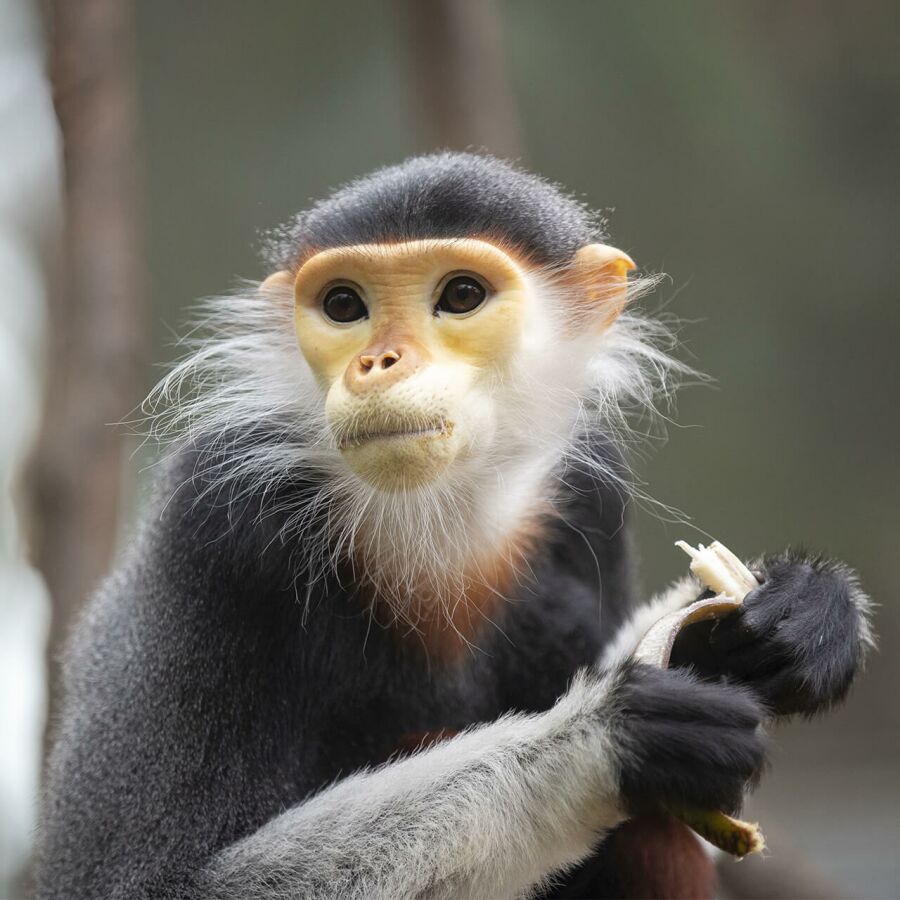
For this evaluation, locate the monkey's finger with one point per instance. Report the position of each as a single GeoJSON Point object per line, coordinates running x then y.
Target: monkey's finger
{"type": "Point", "coordinates": [758, 617]}
{"type": "Point", "coordinates": [757, 660]}
{"type": "Point", "coordinates": [783, 693]}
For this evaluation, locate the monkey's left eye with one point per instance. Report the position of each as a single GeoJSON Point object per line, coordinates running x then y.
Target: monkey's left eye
{"type": "Point", "coordinates": [342, 304]}
{"type": "Point", "coordinates": [462, 294]}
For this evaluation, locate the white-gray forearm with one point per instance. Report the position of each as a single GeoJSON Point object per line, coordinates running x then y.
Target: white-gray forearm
{"type": "Point", "coordinates": [679, 594]}
{"type": "Point", "coordinates": [489, 813]}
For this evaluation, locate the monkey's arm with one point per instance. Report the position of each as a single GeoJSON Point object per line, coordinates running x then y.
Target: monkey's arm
{"type": "Point", "coordinates": [495, 811]}
{"type": "Point", "coordinates": [485, 814]}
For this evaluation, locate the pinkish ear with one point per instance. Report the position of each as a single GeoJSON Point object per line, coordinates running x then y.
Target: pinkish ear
{"type": "Point", "coordinates": [600, 274]}
{"type": "Point", "coordinates": [277, 282]}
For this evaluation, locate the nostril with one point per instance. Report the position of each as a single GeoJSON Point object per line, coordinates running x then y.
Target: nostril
{"type": "Point", "coordinates": [388, 359]}
{"type": "Point", "coordinates": [367, 362]}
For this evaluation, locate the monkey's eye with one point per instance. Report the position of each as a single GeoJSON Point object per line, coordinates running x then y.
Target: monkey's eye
{"type": "Point", "coordinates": [343, 304]}
{"type": "Point", "coordinates": [462, 294]}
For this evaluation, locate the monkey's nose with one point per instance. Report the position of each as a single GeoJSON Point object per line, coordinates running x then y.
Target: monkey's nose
{"type": "Point", "coordinates": [382, 361]}
{"type": "Point", "coordinates": [376, 368]}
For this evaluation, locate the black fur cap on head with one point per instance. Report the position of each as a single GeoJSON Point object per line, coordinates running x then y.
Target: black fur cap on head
{"type": "Point", "coordinates": [442, 195]}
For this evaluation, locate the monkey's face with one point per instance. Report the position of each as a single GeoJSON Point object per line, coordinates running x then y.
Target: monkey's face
{"type": "Point", "coordinates": [412, 344]}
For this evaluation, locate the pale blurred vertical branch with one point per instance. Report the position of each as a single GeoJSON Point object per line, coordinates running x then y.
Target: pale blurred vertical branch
{"type": "Point", "coordinates": [29, 230]}
{"type": "Point", "coordinates": [460, 73]}
{"type": "Point", "coordinates": [94, 315]}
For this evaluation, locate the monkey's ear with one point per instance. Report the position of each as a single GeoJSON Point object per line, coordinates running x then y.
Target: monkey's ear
{"type": "Point", "coordinates": [600, 274]}
{"type": "Point", "coordinates": [277, 282]}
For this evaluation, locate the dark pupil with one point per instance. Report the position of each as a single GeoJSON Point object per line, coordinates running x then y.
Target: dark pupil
{"type": "Point", "coordinates": [461, 295]}
{"type": "Point", "coordinates": [344, 305]}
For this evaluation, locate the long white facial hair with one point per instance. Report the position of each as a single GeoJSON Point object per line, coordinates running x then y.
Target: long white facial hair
{"type": "Point", "coordinates": [244, 373]}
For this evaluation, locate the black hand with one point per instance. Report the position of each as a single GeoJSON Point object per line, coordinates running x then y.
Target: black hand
{"type": "Point", "coordinates": [798, 640]}
{"type": "Point", "coordinates": [686, 741]}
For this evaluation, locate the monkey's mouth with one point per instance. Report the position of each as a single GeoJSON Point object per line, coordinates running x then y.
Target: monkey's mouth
{"type": "Point", "coordinates": [362, 436]}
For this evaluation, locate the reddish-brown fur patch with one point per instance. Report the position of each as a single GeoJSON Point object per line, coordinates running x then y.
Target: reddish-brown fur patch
{"type": "Point", "coordinates": [652, 857]}
{"type": "Point", "coordinates": [445, 634]}
{"type": "Point", "coordinates": [486, 586]}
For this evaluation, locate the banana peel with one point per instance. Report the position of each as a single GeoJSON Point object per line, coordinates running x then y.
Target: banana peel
{"type": "Point", "coordinates": [725, 832]}
{"type": "Point", "coordinates": [721, 571]}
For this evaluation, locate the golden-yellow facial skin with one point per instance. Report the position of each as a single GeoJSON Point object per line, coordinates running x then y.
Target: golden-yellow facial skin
{"type": "Point", "coordinates": [401, 427]}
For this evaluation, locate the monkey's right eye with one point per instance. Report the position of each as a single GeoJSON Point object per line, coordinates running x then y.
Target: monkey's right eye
{"type": "Point", "coordinates": [342, 304]}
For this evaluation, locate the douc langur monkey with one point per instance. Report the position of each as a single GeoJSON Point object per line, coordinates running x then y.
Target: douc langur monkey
{"type": "Point", "coordinates": [373, 638]}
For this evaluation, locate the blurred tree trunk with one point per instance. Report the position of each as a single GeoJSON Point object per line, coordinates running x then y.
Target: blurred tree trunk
{"type": "Point", "coordinates": [461, 76]}
{"type": "Point", "coordinates": [94, 322]}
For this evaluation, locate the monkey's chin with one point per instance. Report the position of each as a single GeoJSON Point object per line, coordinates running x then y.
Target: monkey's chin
{"type": "Point", "coordinates": [402, 462]}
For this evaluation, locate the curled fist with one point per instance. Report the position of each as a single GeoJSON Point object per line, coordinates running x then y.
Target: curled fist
{"type": "Point", "coordinates": [797, 641]}
{"type": "Point", "coordinates": [685, 741]}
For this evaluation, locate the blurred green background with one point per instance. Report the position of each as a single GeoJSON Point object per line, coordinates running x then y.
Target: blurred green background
{"type": "Point", "coordinates": [749, 150]}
